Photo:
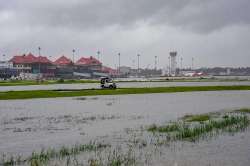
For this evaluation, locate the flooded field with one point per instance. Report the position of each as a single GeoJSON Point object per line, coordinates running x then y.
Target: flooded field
{"type": "Point", "coordinates": [120, 85]}
{"type": "Point", "coordinates": [120, 121]}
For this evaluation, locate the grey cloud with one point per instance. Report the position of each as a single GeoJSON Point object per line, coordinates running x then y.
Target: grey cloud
{"type": "Point", "coordinates": [209, 30]}
{"type": "Point", "coordinates": [197, 16]}
{"type": "Point", "coordinates": [212, 15]}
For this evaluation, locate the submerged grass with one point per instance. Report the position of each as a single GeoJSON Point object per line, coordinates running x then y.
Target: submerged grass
{"type": "Point", "coordinates": [227, 124]}
{"type": "Point", "coordinates": [184, 129]}
{"type": "Point", "coordinates": [115, 157]}
{"type": "Point", "coordinates": [93, 92]}
{"type": "Point", "coordinates": [196, 118]}
{"type": "Point", "coordinates": [167, 128]}
{"type": "Point", "coordinates": [44, 156]}
{"type": "Point", "coordinates": [190, 129]}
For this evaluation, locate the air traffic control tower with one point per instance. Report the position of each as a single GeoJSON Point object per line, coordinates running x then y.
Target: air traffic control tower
{"type": "Point", "coordinates": [173, 63]}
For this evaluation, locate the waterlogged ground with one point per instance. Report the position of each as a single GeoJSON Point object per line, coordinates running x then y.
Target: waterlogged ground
{"type": "Point", "coordinates": [32, 125]}
{"type": "Point", "coordinates": [119, 85]}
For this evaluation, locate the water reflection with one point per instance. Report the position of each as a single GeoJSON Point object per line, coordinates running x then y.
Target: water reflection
{"type": "Point", "coordinates": [27, 125]}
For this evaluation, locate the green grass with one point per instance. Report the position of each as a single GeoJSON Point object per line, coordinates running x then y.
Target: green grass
{"type": "Point", "coordinates": [187, 129]}
{"type": "Point", "coordinates": [167, 128]}
{"type": "Point", "coordinates": [47, 82]}
{"type": "Point", "coordinates": [105, 154]}
{"type": "Point", "coordinates": [196, 118]}
{"type": "Point", "coordinates": [232, 123]}
{"type": "Point", "coordinates": [72, 81]}
{"type": "Point", "coordinates": [39, 158]}
{"type": "Point", "coordinates": [115, 157]}
{"type": "Point", "coordinates": [243, 110]}
{"type": "Point", "coordinates": [93, 92]}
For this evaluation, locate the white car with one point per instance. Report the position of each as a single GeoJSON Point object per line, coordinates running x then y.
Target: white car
{"type": "Point", "coordinates": [107, 82]}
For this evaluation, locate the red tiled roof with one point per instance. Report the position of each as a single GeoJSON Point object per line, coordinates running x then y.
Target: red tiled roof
{"type": "Point", "coordinates": [88, 61]}
{"type": "Point", "coordinates": [63, 61]}
{"type": "Point", "coordinates": [30, 58]}
{"type": "Point", "coordinates": [43, 59]}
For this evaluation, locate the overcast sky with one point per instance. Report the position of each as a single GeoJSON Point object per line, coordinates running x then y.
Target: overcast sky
{"type": "Point", "coordinates": [213, 32]}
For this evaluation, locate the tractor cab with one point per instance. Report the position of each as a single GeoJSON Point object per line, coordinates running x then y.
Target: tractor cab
{"type": "Point", "coordinates": [107, 82]}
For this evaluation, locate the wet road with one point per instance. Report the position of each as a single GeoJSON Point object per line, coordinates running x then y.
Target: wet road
{"type": "Point", "coordinates": [120, 85]}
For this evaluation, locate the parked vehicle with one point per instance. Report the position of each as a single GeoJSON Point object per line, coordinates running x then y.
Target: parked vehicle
{"type": "Point", "coordinates": [107, 82]}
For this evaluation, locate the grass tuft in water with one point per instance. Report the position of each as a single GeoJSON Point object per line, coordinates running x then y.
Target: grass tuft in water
{"type": "Point", "coordinates": [44, 156]}
{"type": "Point", "coordinates": [115, 157]}
{"type": "Point", "coordinates": [175, 126]}
{"type": "Point", "coordinates": [191, 130]}
{"type": "Point", "coordinates": [196, 118]}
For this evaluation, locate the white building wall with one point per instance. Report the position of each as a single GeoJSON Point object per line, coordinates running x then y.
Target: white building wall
{"type": "Point", "coordinates": [6, 64]}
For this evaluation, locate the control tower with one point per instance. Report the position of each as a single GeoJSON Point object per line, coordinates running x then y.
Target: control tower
{"type": "Point", "coordinates": [173, 63]}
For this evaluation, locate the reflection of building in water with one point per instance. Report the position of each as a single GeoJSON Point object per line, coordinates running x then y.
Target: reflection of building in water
{"type": "Point", "coordinates": [173, 63]}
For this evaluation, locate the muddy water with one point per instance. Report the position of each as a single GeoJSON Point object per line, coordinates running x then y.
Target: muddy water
{"type": "Point", "coordinates": [28, 125]}
{"type": "Point", "coordinates": [120, 85]}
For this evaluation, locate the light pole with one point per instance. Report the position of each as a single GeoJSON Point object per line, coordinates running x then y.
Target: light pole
{"type": "Point", "coordinates": [39, 51]}
{"type": "Point", "coordinates": [169, 67]}
{"type": "Point", "coordinates": [98, 55]}
{"type": "Point", "coordinates": [181, 66]}
{"type": "Point", "coordinates": [138, 56]}
{"type": "Point", "coordinates": [155, 63]}
{"type": "Point", "coordinates": [73, 54]}
{"type": "Point", "coordinates": [181, 62]}
{"type": "Point", "coordinates": [50, 58]}
{"type": "Point", "coordinates": [192, 63]}
{"type": "Point", "coordinates": [39, 65]}
{"type": "Point", "coordinates": [3, 57]}
{"type": "Point", "coordinates": [119, 62]}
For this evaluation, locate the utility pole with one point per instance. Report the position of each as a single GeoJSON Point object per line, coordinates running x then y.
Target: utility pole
{"type": "Point", "coordinates": [180, 72]}
{"type": "Point", "coordinates": [39, 64]}
{"type": "Point", "coordinates": [155, 63]}
{"type": "Point", "coordinates": [98, 55]}
{"type": "Point", "coordinates": [39, 51]}
{"type": "Point", "coordinates": [73, 54]}
{"type": "Point", "coordinates": [138, 56]}
{"type": "Point", "coordinates": [169, 67]}
{"type": "Point", "coordinates": [192, 63]}
{"type": "Point", "coordinates": [3, 57]}
{"type": "Point", "coordinates": [181, 62]}
{"type": "Point", "coordinates": [119, 62]}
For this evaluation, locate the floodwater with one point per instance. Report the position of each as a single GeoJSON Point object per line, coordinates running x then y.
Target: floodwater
{"type": "Point", "coordinates": [120, 85]}
{"type": "Point", "coordinates": [28, 125]}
